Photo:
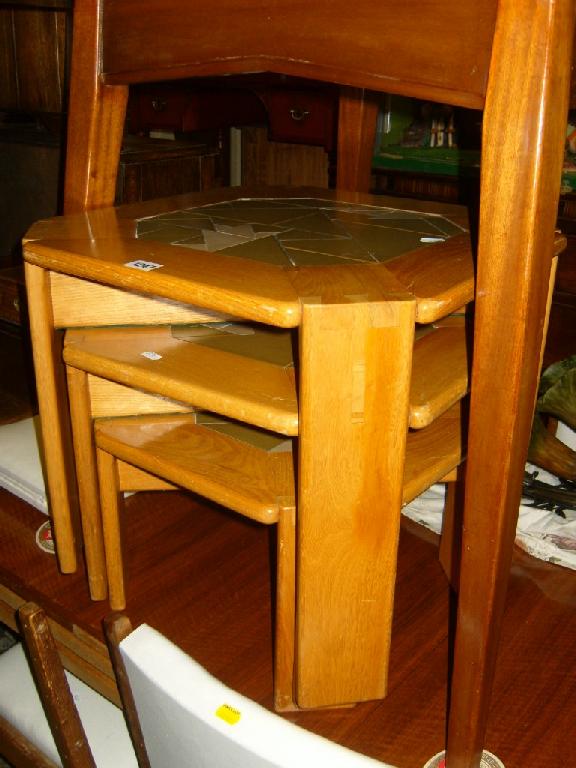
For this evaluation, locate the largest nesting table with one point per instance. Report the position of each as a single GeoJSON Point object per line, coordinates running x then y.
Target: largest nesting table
{"type": "Point", "coordinates": [353, 274]}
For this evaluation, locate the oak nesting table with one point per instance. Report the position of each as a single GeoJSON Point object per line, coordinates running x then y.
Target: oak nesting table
{"type": "Point", "coordinates": [355, 279]}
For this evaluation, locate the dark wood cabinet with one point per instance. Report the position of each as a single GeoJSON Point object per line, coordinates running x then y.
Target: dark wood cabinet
{"type": "Point", "coordinates": [152, 168]}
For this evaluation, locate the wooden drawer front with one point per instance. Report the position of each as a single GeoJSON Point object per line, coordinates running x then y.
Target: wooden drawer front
{"type": "Point", "coordinates": [302, 116]}
{"type": "Point", "coordinates": [166, 168]}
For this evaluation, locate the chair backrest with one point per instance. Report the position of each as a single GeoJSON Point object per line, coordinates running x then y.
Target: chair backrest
{"type": "Point", "coordinates": [435, 50]}
{"type": "Point", "coordinates": [188, 717]}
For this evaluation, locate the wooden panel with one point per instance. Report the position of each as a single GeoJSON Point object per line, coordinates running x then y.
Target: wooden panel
{"type": "Point", "coordinates": [130, 478]}
{"type": "Point", "coordinates": [350, 492]}
{"type": "Point", "coordinates": [110, 399]}
{"type": "Point", "coordinates": [274, 162]}
{"type": "Point", "coordinates": [151, 168]}
{"type": "Point", "coordinates": [40, 40]}
{"type": "Point", "coordinates": [369, 45]}
{"type": "Point", "coordinates": [8, 80]}
{"type": "Point", "coordinates": [81, 303]}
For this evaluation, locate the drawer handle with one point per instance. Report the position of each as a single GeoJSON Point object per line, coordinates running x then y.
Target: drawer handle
{"type": "Point", "coordinates": [298, 114]}
{"type": "Point", "coordinates": [159, 105]}
{"type": "Point", "coordinates": [16, 304]}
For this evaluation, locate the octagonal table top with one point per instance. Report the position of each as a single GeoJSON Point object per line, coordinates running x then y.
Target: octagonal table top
{"type": "Point", "coordinates": [236, 250]}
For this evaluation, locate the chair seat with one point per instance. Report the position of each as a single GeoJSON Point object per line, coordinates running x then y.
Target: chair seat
{"type": "Point", "coordinates": [103, 722]}
{"type": "Point", "coordinates": [184, 711]}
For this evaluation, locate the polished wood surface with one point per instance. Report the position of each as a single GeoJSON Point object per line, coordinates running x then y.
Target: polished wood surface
{"type": "Point", "coordinates": [51, 391]}
{"type": "Point", "coordinates": [242, 477]}
{"type": "Point", "coordinates": [83, 440]}
{"type": "Point", "coordinates": [346, 557]}
{"type": "Point", "coordinates": [439, 373]}
{"type": "Point", "coordinates": [519, 186]}
{"type": "Point", "coordinates": [174, 587]}
{"type": "Point", "coordinates": [255, 291]}
{"type": "Point", "coordinates": [433, 452]}
{"type": "Point", "coordinates": [336, 42]}
{"type": "Point", "coordinates": [250, 390]}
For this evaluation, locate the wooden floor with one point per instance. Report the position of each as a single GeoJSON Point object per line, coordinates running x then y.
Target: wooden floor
{"type": "Point", "coordinates": [202, 577]}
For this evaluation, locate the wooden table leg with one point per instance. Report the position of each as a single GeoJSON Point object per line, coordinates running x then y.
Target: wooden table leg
{"type": "Point", "coordinates": [87, 477]}
{"type": "Point", "coordinates": [53, 407]}
{"type": "Point", "coordinates": [355, 363]}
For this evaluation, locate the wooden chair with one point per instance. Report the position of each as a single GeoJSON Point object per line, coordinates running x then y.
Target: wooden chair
{"type": "Point", "coordinates": [48, 717]}
{"type": "Point", "coordinates": [177, 713]}
{"type": "Point", "coordinates": [475, 66]}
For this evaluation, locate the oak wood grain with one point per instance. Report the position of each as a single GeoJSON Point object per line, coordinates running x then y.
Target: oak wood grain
{"type": "Point", "coordinates": [248, 289]}
{"type": "Point", "coordinates": [55, 420]}
{"type": "Point", "coordinates": [155, 360]}
{"type": "Point", "coordinates": [439, 373]}
{"type": "Point", "coordinates": [346, 555]}
{"type": "Point", "coordinates": [244, 478]}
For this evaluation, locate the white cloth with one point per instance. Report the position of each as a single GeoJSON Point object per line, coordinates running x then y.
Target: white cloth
{"type": "Point", "coordinates": [540, 532]}
{"type": "Point", "coordinates": [20, 462]}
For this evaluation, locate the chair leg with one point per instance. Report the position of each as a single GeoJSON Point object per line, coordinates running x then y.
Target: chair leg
{"type": "Point", "coordinates": [522, 186]}
{"type": "Point", "coordinates": [116, 628]}
{"type": "Point", "coordinates": [109, 504]}
{"type": "Point", "coordinates": [53, 689]}
{"type": "Point", "coordinates": [87, 477]}
{"type": "Point", "coordinates": [285, 612]}
{"type": "Point", "coordinates": [357, 115]}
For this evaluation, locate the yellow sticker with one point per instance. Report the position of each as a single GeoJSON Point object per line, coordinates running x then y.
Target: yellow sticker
{"type": "Point", "coordinates": [228, 714]}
